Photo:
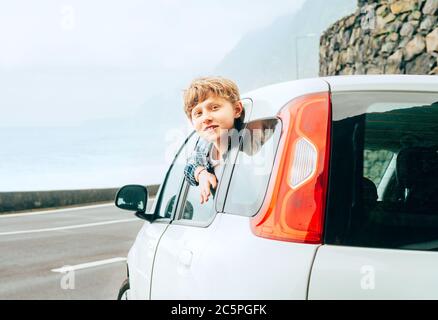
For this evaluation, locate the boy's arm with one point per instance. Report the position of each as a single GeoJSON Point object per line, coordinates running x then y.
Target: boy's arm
{"type": "Point", "coordinates": [189, 173]}
{"type": "Point", "coordinates": [195, 161]}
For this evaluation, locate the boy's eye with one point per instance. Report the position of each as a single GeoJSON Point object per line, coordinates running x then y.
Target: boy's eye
{"type": "Point", "coordinates": [215, 107]}
{"type": "Point", "coordinates": [197, 113]}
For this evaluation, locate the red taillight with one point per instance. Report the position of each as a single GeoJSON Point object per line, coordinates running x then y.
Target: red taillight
{"type": "Point", "coordinates": [298, 190]}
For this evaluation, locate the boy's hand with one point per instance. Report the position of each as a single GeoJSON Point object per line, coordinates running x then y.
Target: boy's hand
{"type": "Point", "coordinates": [206, 180]}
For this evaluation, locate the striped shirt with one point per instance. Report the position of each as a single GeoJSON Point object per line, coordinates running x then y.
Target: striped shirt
{"type": "Point", "coordinates": [201, 157]}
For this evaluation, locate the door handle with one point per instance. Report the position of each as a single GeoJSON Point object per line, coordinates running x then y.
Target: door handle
{"type": "Point", "coordinates": [185, 258]}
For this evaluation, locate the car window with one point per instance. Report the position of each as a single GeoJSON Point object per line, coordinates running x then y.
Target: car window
{"type": "Point", "coordinates": [388, 158]}
{"type": "Point", "coordinates": [173, 183]}
{"type": "Point", "coordinates": [194, 211]}
{"type": "Point", "coordinates": [376, 163]}
{"type": "Point", "coordinates": [253, 166]}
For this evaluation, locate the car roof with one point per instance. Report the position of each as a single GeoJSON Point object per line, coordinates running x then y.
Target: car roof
{"type": "Point", "coordinates": [268, 100]}
{"type": "Point", "coordinates": [420, 83]}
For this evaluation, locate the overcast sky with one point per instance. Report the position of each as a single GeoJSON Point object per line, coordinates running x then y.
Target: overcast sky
{"type": "Point", "coordinates": [66, 62]}
{"type": "Point", "coordinates": [80, 62]}
{"type": "Point", "coordinates": [175, 34]}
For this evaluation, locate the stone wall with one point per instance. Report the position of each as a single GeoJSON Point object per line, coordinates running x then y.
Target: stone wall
{"type": "Point", "coordinates": [32, 200]}
{"type": "Point", "coordinates": [383, 36]}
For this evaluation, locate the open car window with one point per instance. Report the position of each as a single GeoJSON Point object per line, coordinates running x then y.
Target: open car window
{"type": "Point", "coordinates": [173, 182]}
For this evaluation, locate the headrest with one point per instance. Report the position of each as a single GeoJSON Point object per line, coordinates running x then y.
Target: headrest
{"type": "Point", "coordinates": [416, 165]}
{"type": "Point", "coordinates": [369, 191]}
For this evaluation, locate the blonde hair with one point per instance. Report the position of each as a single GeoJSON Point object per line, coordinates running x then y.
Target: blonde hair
{"type": "Point", "coordinates": [201, 88]}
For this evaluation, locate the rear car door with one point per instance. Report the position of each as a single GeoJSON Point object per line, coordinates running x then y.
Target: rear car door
{"type": "Point", "coordinates": [181, 263]}
{"type": "Point", "coordinates": [381, 227]}
{"type": "Point", "coordinates": [178, 262]}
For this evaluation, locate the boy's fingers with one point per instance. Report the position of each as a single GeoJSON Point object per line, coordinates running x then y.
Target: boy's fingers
{"type": "Point", "coordinates": [207, 191]}
{"type": "Point", "coordinates": [205, 188]}
{"type": "Point", "coordinates": [204, 196]}
{"type": "Point", "coordinates": [213, 182]}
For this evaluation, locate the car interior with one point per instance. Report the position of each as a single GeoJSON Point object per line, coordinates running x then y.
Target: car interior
{"type": "Point", "coordinates": [407, 215]}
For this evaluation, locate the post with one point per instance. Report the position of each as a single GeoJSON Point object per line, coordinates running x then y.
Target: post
{"type": "Point", "coordinates": [308, 35]}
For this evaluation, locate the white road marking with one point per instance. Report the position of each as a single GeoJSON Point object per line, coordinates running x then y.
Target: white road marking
{"type": "Point", "coordinates": [88, 265]}
{"type": "Point", "coordinates": [67, 227]}
{"type": "Point", "coordinates": [6, 215]}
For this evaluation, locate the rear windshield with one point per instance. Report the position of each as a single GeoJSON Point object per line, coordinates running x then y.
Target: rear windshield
{"type": "Point", "coordinates": [383, 189]}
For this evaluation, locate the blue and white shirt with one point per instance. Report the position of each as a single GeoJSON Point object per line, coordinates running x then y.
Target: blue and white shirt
{"type": "Point", "coordinates": [201, 157]}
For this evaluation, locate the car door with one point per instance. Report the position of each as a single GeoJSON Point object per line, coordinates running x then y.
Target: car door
{"type": "Point", "coordinates": [141, 255]}
{"type": "Point", "coordinates": [381, 232]}
{"type": "Point", "coordinates": [178, 260]}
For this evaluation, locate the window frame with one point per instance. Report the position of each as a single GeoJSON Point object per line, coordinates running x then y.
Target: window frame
{"type": "Point", "coordinates": [218, 201]}
{"type": "Point", "coordinates": [230, 171]}
{"type": "Point", "coordinates": [346, 122]}
{"type": "Point", "coordinates": [178, 220]}
{"type": "Point", "coordinates": [157, 205]}
{"type": "Point", "coordinates": [222, 187]}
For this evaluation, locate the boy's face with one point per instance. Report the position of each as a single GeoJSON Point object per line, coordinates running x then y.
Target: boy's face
{"type": "Point", "coordinates": [212, 118]}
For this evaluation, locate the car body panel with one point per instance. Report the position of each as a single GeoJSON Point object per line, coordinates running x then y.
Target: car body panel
{"type": "Point", "coordinates": [179, 261]}
{"type": "Point", "coordinates": [141, 259]}
{"type": "Point", "coordinates": [229, 262]}
{"type": "Point", "coordinates": [242, 266]}
{"type": "Point", "coordinates": [267, 101]}
{"type": "Point", "coordinates": [342, 272]}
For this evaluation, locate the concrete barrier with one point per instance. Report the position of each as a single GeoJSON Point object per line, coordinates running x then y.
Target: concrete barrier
{"type": "Point", "coordinates": [31, 200]}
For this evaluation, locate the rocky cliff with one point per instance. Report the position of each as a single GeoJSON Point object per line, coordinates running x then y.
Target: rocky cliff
{"type": "Point", "coordinates": [383, 36]}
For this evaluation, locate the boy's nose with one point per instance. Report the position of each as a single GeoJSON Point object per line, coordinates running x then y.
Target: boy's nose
{"type": "Point", "coordinates": [207, 117]}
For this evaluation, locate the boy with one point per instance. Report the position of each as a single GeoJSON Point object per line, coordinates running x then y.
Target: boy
{"type": "Point", "coordinates": [213, 105]}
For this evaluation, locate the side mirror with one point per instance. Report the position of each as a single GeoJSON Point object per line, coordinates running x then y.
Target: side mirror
{"type": "Point", "coordinates": [134, 198]}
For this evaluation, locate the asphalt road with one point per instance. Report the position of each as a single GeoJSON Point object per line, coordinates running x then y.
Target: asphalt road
{"type": "Point", "coordinates": [94, 241]}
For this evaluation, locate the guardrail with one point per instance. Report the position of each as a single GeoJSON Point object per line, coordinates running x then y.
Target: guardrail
{"type": "Point", "coordinates": [33, 200]}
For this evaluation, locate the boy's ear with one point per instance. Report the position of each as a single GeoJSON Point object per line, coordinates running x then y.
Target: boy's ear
{"type": "Point", "coordinates": [238, 108]}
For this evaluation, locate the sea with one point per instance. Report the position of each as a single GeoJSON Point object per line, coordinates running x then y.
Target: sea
{"type": "Point", "coordinates": [103, 130]}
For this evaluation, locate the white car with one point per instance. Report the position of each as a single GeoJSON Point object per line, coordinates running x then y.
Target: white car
{"type": "Point", "coordinates": [338, 201]}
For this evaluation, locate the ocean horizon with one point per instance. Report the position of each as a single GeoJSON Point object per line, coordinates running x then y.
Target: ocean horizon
{"type": "Point", "coordinates": [80, 129]}
{"type": "Point", "coordinates": [37, 159]}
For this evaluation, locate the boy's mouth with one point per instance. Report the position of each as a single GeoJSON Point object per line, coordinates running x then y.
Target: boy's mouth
{"type": "Point", "coordinates": [211, 127]}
